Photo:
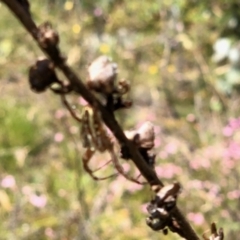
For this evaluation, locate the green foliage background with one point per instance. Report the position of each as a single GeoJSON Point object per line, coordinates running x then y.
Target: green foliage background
{"type": "Point", "coordinates": [180, 80]}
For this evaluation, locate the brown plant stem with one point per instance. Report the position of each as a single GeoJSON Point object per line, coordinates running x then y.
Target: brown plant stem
{"type": "Point", "coordinates": [78, 86]}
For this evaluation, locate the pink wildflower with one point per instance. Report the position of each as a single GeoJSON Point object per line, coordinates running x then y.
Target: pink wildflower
{"type": "Point", "coordinates": [49, 233]}
{"type": "Point", "coordinates": [235, 194]}
{"type": "Point", "coordinates": [38, 201]}
{"type": "Point", "coordinates": [168, 170]}
{"type": "Point", "coordinates": [58, 137]}
{"type": "Point", "coordinates": [98, 12]}
{"type": "Point", "coordinates": [171, 148]}
{"type": "Point", "coordinates": [26, 190]}
{"type": "Point", "coordinates": [227, 131]}
{"type": "Point", "coordinates": [59, 114]}
{"type": "Point", "coordinates": [197, 218]}
{"type": "Point", "coordinates": [8, 182]}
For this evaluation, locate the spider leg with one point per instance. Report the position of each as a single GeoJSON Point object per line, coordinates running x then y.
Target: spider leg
{"type": "Point", "coordinates": [138, 176]}
{"type": "Point", "coordinates": [121, 170]}
{"type": "Point", "coordinates": [105, 164]}
{"type": "Point", "coordinates": [67, 105]}
{"type": "Point", "coordinates": [86, 158]}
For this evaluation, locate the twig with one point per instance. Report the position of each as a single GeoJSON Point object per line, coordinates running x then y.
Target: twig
{"type": "Point", "coordinates": [54, 54]}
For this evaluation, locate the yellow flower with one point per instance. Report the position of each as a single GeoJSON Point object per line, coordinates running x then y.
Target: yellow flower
{"type": "Point", "coordinates": [76, 28]}
{"type": "Point", "coordinates": [68, 5]}
{"type": "Point", "coordinates": [153, 69]}
{"type": "Point", "coordinates": [104, 48]}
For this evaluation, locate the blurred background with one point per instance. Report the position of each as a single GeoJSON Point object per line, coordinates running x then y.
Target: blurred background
{"type": "Point", "coordinates": [182, 59]}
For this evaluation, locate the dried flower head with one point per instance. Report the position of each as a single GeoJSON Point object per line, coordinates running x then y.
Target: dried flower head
{"type": "Point", "coordinates": [42, 75]}
{"type": "Point", "coordinates": [102, 75]}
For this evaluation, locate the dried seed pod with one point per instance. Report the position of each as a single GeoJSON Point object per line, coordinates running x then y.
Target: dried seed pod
{"type": "Point", "coordinates": [156, 224]}
{"type": "Point", "coordinates": [102, 75]}
{"type": "Point", "coordinates": [142, 137]}
{"type": "Point", "coordinates": [123, 87]}
{"type": "Point", "coordinates": [215, 235]}
{"type": "Point", "coordinates": [172, 190]}
{"type": "Point", "coordinates": [146, 135]}
{"type": "Point", "coordinates": [167, 196]}
{"type": "Point", "coordinates": [117, 102]}
{"type": "Point", "coordinates": [161, 206]}
{"type": "Point", "coordinates": [164, 201]}
{"type": "Point", "coordinates": [131, 134]}
{"type": "Point", "coordinates": [47, 35]}
{"type": "Point", "coordinates": [42, 75]}
{"type": "Point", "coordinates": [126, 103]}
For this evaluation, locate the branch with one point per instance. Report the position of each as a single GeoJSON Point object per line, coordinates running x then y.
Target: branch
{"type": "Point", "coordinates": [23, 15]}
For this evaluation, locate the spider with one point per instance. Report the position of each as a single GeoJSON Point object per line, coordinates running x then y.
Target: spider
{"type": "Point", "coordinates": [95, 138]}
{"type": "Point", "coordinates": [93, 133]}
